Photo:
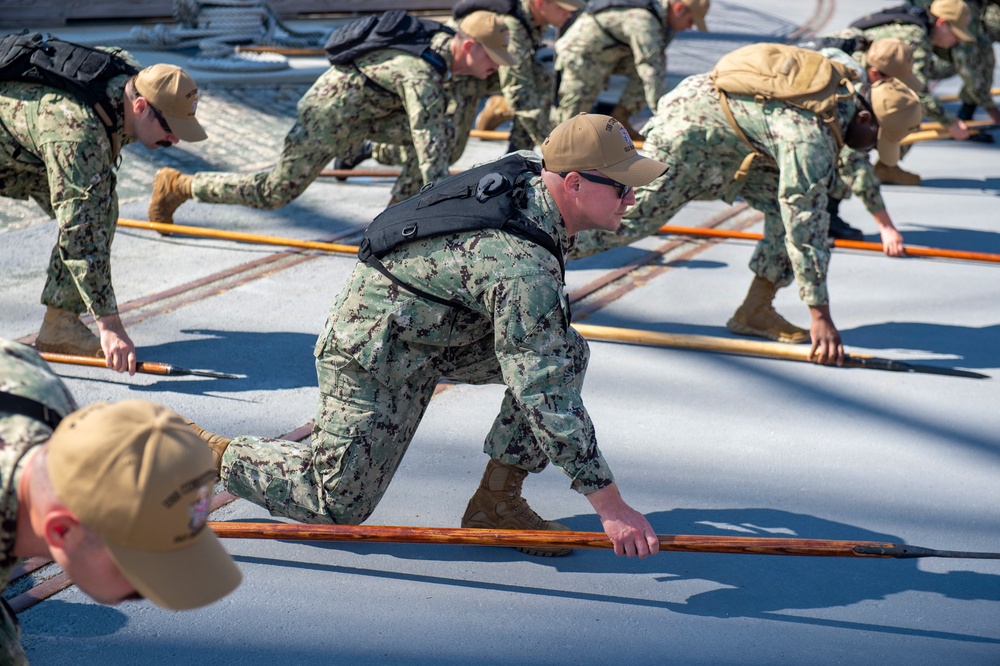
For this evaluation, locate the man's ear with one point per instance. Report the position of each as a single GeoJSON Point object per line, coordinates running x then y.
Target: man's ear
{"type": "Point", "coordinates": [59, 527]}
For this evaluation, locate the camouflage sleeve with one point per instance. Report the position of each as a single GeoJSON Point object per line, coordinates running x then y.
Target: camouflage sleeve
{"type": "Point", "coordinates": [426, 103]}
{"type": "Point", "coordinates": [521, 84]}
{"type": "Point", "coordinates": [861, 175]}
{"type": "Point", "coordinates": [82, 186]}
{"type": "Point", "coordinates": [647, 40]}
{"type": "Point", "coordinates": [542, 367]}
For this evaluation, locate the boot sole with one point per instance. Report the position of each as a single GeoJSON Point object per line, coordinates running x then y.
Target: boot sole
{"type": "Point", "coordinates": [742, 329]}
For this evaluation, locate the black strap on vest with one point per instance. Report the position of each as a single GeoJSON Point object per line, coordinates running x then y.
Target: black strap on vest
{"type": "Point", "coordinates": [82, 71]}
{"type": "Point", "coordinates": [905, 14]}
{"type": "Point", "coordinates": [595, 7]}
{"type": "Point", "coordinates": [18, 404]}
{"type": "Point", "coordinates": [489, 196]}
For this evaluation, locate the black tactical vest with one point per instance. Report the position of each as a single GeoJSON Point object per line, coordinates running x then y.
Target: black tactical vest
{"type": "Point", "coordinates": [19, 404]}
{"type": "Point", "coordinates": [905, 14]}
{"type": "Point", "coordinates": [82, 71]}
{"type": "Point", "coordinates": [463, 8]}
{"type": "Point", "coordinates": [598, 6]}
{"type": "Point", "coordinates": [391, 30]}
{"type": "Point", "coordinates": [490, 196]}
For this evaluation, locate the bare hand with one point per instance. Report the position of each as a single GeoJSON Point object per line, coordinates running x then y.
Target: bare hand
{"type": "Point", "coordinates": [119, 350]}
{"type": "Point", "coordinates": [827, 348]}
{"type": "Point", "coordinates": [959, 130]}
{"type": "Point", "coordinates": [892, 242]}
{"type": "Point", "coordinates": [629, 531]}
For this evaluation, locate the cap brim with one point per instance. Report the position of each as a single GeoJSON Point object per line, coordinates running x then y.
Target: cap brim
{"type": "Point", "coordinates": [961, 34]}
{"type": "Point", "coordinates": [912, 82]}
{"type": "Point", "coordinates": [186, 129]}
{"type": "Point", "coordinates": [502, 58]}
{"type": "Point", "coordinates": [888, 150]}
{"type": "Point", "coordinates": [635, 171]}
{"type": "Point", "coordinates": [190, 577]}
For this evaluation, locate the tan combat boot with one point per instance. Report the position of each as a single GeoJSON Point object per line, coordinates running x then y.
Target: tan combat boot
{"type": "Point", "coordinates": [62, 332]}
{"type": "Point", "coordinates": [894, 175]}
{"type": "Point", "coordinates": [621, 114]}
{"type": "Point", "coordinates": [498, 505]}
{"type": "Point", "coordinates": [494, 114]}
{"type": "Point", "coordinates": [757, 316]}
{"type": "Point", "coordinates": [171, 188]}
{"type": "Point", "coordinates": [217, 443]}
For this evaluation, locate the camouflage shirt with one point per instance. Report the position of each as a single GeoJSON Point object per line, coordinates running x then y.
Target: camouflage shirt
{"type": "Point", "coordinates": [632, 33]}
{"type": "Point", "coordinates": [527, 86]}
{"type": "Point", "coordinates": [415, 87]}
{"type": "Point", "coordinates": [55, 150]}
{"type": "Point", "coordinates": [24, 373]}
{"type": "Point", "coordinates": [512, 292]}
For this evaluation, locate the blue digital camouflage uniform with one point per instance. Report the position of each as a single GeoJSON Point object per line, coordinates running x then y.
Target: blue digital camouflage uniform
{"type": "Point", "coordinates": [55, 150]}
{"type": "Point", "coordinates": [384, 349]}
{"type": "Point", "coordinates": [690, 133]}
{"type": "Point", "coordinates": [23, 373]}
{"type": "Point", "coordinates": [389, 96]}
{"type": "Point", "coordinates": [626, 41]}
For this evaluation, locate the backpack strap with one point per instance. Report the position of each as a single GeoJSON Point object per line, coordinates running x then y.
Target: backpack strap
{"type": "Point", "coordinates": [744, 169]}
{"type": "Point", "coordinates": [18, 404]}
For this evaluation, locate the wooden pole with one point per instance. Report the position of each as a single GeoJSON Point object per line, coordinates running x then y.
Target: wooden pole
{"type": "Point", "coordinates": [179, 229]}
{"type": "Point", "coordinates": [144, 367]}
{"type": "Point", "coordinates": [456, 536]}
{"type": "Point", "coordinates": [846, 244]}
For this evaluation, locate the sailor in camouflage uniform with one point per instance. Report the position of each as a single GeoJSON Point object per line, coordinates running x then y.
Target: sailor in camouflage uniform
{"type": "Point", "coordinates": [527, 87]}
{"type": "Point", "coordinates": [975, 60]}
{"type": "Point", "coordinates": [65, 494]}
{"type": "Point", "coordinates": [626, 37]}
{"type": "Point", "coordinates": [55, 150]}
{"type": "Point", "coordinates": [384, 349]}
{"type": "Point", "coordinates": [934, 46]}
{"type": "Point", "coordinates": [388, 95]}
{"type": "Point", "coordinates": [795, 167]}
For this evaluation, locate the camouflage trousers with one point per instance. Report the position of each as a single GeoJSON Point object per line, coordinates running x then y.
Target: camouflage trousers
{"type": "Point", "coordinates": [466, 93]}
{"type": "Point", "coordinates": [581, 81]}
{"type": "Point", "coordinates": [11, 652]}
{"type": "Point", "coordinates": [333, 118]}
{"type": "Point", "coordinates": [856, 175]}
{"type": "Point", "coordinates": [362, 430]}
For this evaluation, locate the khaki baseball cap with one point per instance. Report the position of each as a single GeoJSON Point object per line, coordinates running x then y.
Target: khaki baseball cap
{"type": "Point", "coordinates": [135, 473]}
{"type": "Point", "coordinates": [592, 142]}
{"type": "Point", "coordinates": [698, 9]}
{"type": "Point", "coordinates": [173, 93]}
{"type": "Point", "coordinates": [489, 31]}
{"type": "Point", "coordinates": [898, 112]}
{"type": "Point", "coordinates": [957, 14]}
{"type": "Point", "coordinates": [894, 57]}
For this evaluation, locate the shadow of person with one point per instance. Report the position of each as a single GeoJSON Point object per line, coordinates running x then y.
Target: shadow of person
{"type": "Point", "coordinates": [78, 620]}
{"type": "Point", "coordinates": [970, 347]}
{"type": "Point", "coordinates": [271, 360]}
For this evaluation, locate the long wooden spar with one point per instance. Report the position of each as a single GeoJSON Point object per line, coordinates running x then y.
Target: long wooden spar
{"type": "Point", "coordinates": [457, 536]}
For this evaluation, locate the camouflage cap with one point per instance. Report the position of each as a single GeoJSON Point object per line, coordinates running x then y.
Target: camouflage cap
{"type": "Point", "coordinates": [957, 14]}
{"type": "Point", "coordinates": [898, 112]}
{"type": "Point", "coordinates": [136, 474]}
{"type": "Point", "coordinates": [173, 93]}
{"type": "Point", "coordinates": [489, 31]}
{"type": "Point", "coordinates": [592, 142]}
{"type": "Point", "coordinates": [894, 57]}
{"type": "Point", "coordinates": [698, 9]}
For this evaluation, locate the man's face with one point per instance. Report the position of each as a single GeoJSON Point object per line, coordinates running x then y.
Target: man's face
{"type": "Point", "coordinates": [600, 205]}
{"type": "Point", "coordinates": [942, 36]}
{"type": "Point", "coordinates": [89, 564]}
{"type": "Point", "coordinates": [553, 14]}
{"type": "Point", "coordinates": [150, 127]}
{"type": "Point", "coordinates": [478, 63]}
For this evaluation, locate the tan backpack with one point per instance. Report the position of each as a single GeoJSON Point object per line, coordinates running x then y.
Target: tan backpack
{"type": "Point", "coordinates": [800, 77]}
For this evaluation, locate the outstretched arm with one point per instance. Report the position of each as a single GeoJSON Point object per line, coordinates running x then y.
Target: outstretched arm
{"type": "Point", "coordinates": [627, 528]}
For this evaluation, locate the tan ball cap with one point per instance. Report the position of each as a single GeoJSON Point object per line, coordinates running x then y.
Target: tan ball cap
{"type": "Point", "coordinates": [898, 112]}
{"type": "Point", "coordinates": [592, 142]}
{"type": "Point", "coordinates": [698, 9]}
{"type": "Point", "coordinates": [489, 31]}
{"type": "Point", "coordinates": [957, 14]}
{"type": "Point", "coordinates": [140, 477]}
{"type": "Point", "coordinates": [173, 93]}
{"type": "Point", "coordinates": [894, 57]}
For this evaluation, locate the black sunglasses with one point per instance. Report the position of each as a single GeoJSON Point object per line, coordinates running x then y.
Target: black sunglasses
{"type": "Point", "coordinates": [160, 119]}
{"type": "Point", "coordinates": [623, 190]}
